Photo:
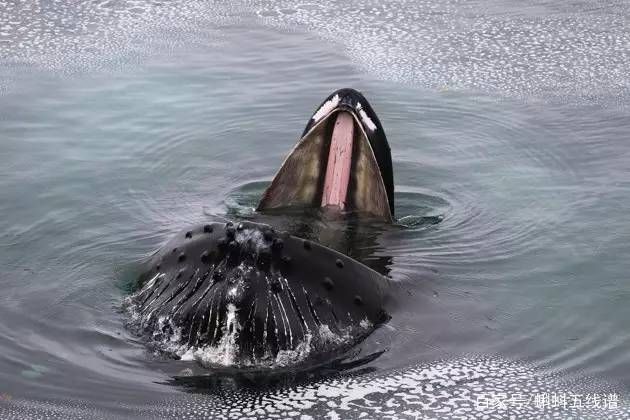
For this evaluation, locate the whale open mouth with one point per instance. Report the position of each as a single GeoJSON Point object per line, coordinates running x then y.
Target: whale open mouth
{"type": "Point", "coordinates": [248, 296]}
{"type": "Point", "coordinates": [341, 161]}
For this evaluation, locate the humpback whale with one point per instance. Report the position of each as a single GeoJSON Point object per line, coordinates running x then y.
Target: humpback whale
{"type": "Point", "coordinates": [243, 294]}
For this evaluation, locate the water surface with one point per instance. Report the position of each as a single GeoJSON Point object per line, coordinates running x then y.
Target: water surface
{"type": "Point", "coordinates": [121, 122]}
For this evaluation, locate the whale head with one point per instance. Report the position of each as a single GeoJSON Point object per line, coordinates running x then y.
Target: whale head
{"type": "Point", "coordinates": [244, 295]}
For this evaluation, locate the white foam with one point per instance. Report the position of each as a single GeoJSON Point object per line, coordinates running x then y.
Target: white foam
{"type": "Point", "coordinates": [253, 238]}
{"type": "Point", "coordinates": [226, 351]}
{"type": "Point", "coordinates": [550, 51]}
{"type": "Point", "coordinates": [291, 357]}
{"type": "Point", "coordinates": [365, 324]}
{"type": "Point", "coordinates": [70, 37]}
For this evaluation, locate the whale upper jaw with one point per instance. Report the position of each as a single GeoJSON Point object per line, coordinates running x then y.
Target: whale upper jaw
{"type": "Point", "coordinates": [245, 295]}
{"type": "Point", "coordinates": [302, 180]}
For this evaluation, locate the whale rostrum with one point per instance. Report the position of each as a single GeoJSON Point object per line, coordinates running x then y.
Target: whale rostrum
{"type": "Point", "coordinates": [244, 294]}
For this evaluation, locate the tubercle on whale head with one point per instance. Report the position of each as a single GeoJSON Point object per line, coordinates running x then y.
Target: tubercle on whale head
{"type": "Point", "coordinates": [342, 160]}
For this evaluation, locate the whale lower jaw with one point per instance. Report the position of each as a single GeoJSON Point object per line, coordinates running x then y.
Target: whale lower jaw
{"type": "Point", "coordinates": [342, 161]}
{"type": "Point", "coordinates": [244, 295]}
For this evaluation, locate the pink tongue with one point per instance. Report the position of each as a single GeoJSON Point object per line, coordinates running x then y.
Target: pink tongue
{"type": "Point", "coordinates": [339, 162]}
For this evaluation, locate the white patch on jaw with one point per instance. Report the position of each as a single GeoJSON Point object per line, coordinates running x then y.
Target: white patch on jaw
{"type": "Point", "coordinates": [326, 108]}
{"type": "Point", "coordinates": [367, 121]}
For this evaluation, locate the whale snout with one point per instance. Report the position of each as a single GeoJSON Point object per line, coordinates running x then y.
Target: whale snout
{"type": "Point", "coordinates": [245, 295]}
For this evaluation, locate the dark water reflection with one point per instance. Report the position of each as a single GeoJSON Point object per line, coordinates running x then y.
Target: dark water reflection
{"type": "Point", "coordinates": [512, 237]}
